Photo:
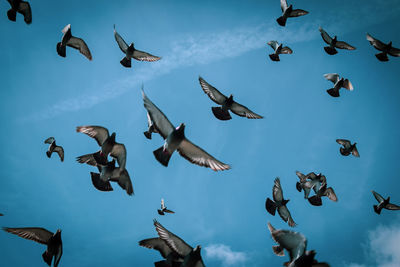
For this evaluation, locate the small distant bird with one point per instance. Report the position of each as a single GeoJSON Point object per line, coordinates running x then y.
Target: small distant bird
{"type": "Point", "coordinates": [163, 209]}
{"type": "Point", "coordinates": [323, 192]}
{"type": "Point", "coordinates": [383, 203]}
{"type": "Point", "coordinates": [175, 140]}
{"type": "Point", "coordinates": [151, 129]}
{"type": "Point", "coordinates": [334, 43]}
{"type": "Point", "coordinates": [130, 52]}
{"type": "Point", "coordinates": [338, 83]}
{"type": "Point", "coordinates": [1, 214]}
{"type": "Point", "coordinates": [45, 237]}
{"type": "Point", "coordinates": [278, 49]}
{"type": "Point", "coordinates": [222, 113]}
{"type": "Point", "coordinates": [21, 7]}
{"type": "Point", "coordinates": [348, 148]}
{"type": "Point", "coordinates": [279, 203]}
{"type": "Point", "coordinates": [54, 148]}
{"type": "Point", "coordinates": [289, 12]}
{"type": "Point", "coordinates": [72, 41]}
{"type": "Point", "coordinates": [385, 48]}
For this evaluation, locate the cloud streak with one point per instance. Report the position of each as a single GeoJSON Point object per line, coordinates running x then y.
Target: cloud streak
{"type": "Point", "coordinates": [224, 254]}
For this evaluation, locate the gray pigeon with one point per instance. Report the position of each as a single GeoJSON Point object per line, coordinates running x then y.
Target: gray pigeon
{"type": "Point", "coordinates": [278, 49]}
{"type": "Point", "coordinates": [72, 41]}
{"type": "Point", "coordinates": [348, 148]}
{"type": "Point", "coordinates": [130, 52]}
{"type": "Point", "coordinates": [279, 203]}
{"type": "Point", "coordinates": [289, 12]}
{"type": "Point", "coordinates": [151, 129]}
{"type": "Point", "coordinates": [21, 7]}
{"type": "Point", "coordinates": [54, 148]}
{"type": "Point", "coordinates": [385, 48]}
{"type": "Point", "coordinates": [334, 43]}
{"type": "Point", "coordinates": [45, 237]}
{"type": "Point", "coordinates": [324, 191]}
{"type": "Point", "coordinates": [163, 209]}
{"type": "Point", "coordinates": [227, 103]}
{"type": "Point", "coordinates": [383, 203]}
{"type": "Point", "coordinates": [175, 140]}
{"type": "Point", "coordinates": [304, 184]}
{"type": "Point", "coordinates": [338, 83]}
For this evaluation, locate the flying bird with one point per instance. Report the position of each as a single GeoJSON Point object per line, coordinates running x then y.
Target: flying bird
{"type": "Point", "coordinates": [385, 48]}
{"type": "Point", "coordinates": [278, 49]}
{"type": "Point", "coordinates": [334, 43]}
{"type": "Point", "coordinates": [175, 140]}
{"type": "Point", "coordinates": [279, 203]}
{"type": "Point", "coordinates": [338, 83]}
{"type": "Point", "coordinates": [151, 129]}
{"type": "Point", "coordinates": [304, 184]}
{"type": "Point", "coordinates": [348, 148]}
{"type": "Point", "coordinates": [74, 42]}
{"type": "Point", "coordinates": [289, 12]}
{"type": "Point", "coordinates": [383, 203]}
{"type": "Point", "coordinates": [163, 209]}
{"type": "Point", "coordinates": [40, 235]}
{"type": "Point", "coordinates": [21, 7]}
{"type": "Point", "coordinates": [227, 103]}
{"type": "Point", "coordinates": [324, 191]}
{"type": "Point", "coordinates": [54, 148]}
{"type": "Point", "coordinates": [130, 52]}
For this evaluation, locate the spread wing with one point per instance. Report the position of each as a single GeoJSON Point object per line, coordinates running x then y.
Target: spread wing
{"type": "Point", "coordinates": [301, 176]}
{"type": "Point", "coordinates": [124, 181]}
{"type": "Point", "coordinates": [162, 204]}
{"type": "Point", "coordinates": [198, 156]}
{"type": "Point", "coordinates": [343, 142]}
{"type": "Point", "coordinates": [174, 242]}
{"type": "Point", "coordinates": [330, 193]}
{"type": "Point", "coordinates": [25, 9]}
{"type": "Point", "coordinates": [36, 234]}
{"type": "Point", "coordinates": [212, 92]}
{"type": "Point", "coordinates": [168, 211]}
{"type": "Point", "coordinates": [285, 215]}
{"type": "Point", "coordinates": [348, 85]}
{"type": "Point", "coordinates": [88, 159]}
{"type": "Point", "coordinates": [376, 43]}
{"type": "Point", "coordinates": [284, 5]}
{"type": "Point", "coordinates": [120, 41]}
{"type": "Point", "coordinates": [355, 152]}
{"type": "Point", "coordinates": [99, 133]}
{"type": "Point", "coordinates": [161, 122]}
{"type": "Point", "coordinates": [296, 243]}
{"type": "Point", "coordinates": [273, 44]}
{"type": "Point", "coordinates": [58, 255]}
{"type": "Point", "coordinates": [243, 111]}
{"type": "Point", "coordinates": [286, 50]}
{"type": "Point", "coordinates": [391, 206]}
{"type": "Point", "coordinates": [277, 193]}
{"type": "Point", "coordinates": [157, 244]}
{"type": "Point", "coordinates": [60, 152]}
{"type": "Point", "coordinates": [119, 152]}
{"type": "Point", "coordinates": [395, 52]}
{"type": "Point", "coordinates": [144, 56]}
{"type": "Point", "coordinates": [79, 44]}
{"type": "Point", "coordinates": [333, 77]}
{"type": "Point", "coordinates": [298, 13]}
{"type": "Point", "coordinates": [325, 36]}
{"type": "Point", "coordinates": [49, 140]}
{"type": "Point", "coordinates": [378, 197]}
{"type": "Point", "coordinates": [344, 45]}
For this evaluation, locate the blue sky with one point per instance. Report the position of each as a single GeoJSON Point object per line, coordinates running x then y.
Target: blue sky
{"type": "Point", "coordinates": [225, 42]}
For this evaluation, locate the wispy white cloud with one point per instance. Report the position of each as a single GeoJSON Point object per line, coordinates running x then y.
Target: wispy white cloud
{"type": "Point", "coordinates": [224, 254]}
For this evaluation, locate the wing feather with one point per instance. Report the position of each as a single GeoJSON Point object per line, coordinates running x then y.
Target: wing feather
{"type": "Point", "coordinates": [36, 234]}
{"type": "Point", "coordinates": [212, 92]}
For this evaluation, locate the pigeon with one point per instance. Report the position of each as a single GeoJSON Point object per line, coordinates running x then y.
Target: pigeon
{"type": "Point", "coordinates": [163, 209]}
{"type": "Point", "coordinates": [279, 203]}
{"type": "Point", "coordinates": [72, 41]}
{"type": "Point", "coordinates": [278, 49]}
{"type": "Point", "coordinates": [175, 140]}
{"type": "Point", "coordinates": [323, 192]}
{"type": "Point", "coordinates": [130, 52]}
{"type": "Point", "coordinates": [222, 113]}
{"type": "Point", "coordinates": [289, 12]}
{"type": "Point", "coordinates": [304, 184]}
{"type": "Point", "coordinates": [385, 48]}
{"type": "Point", "coordinates": [383, 203]}
{"type": "Point", "coordinates": [317, 181]}
{"type": "Point", "coordinates": [21, 7]}
{"type": "Point", "coordinates": [45, 237]}
{"type": "Point", "coordinates": [333, 43]}
{"type": "Point", "coordinates": [348, 148]}
{"type": "Point", "coordinates": [338, 83]}
{"type": "Point", "coordinates": [54, 148]}
{"type": "Point", "coordinates": [151, 128]}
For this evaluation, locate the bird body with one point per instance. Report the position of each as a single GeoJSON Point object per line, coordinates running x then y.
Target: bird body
{"type": "Point", "coordinates": [278, 49]}
{"type": "Point", "coordinates": [54, 148]}
{"type": "Point", "coordinates": [348, 148]}
{"type": "Point", "coordinates": [386, 49]}
{"type": "Point", "coordinates": [333, 43]}
{"type": "Point", "coordinates": [383, 203]}
{"type": "Point", "coordinates": [69, 40]}
{"type": "Point", "coordinates": [289, 12]}
{"type": "Point", "coordinates": [279, 204]}
{"type": "Point", "coordinates": [338, 84]}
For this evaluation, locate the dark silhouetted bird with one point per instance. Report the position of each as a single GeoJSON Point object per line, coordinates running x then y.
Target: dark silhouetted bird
{"type": "Point", "coordinates": [278, 49]}
{"type": "Point", "coordinates": [21, 7]}
{"type": "Point", "coordinates": [289, 12]}
{"type": "Point", "coordinates": [151, 129]}
{"type": "Point", "coordinates": [323, 192]}
{"type": "Point", "coordinates": [334, 43]}
{"type": "Point", "coordinates": [385, 48]}
{"type": "Point", "coordinates": [338, 83]}
{"type": "Point", "coordinates": [383, 203]}
{"type": "Point", "coordinates": [45, 237]}
{"type": "Point", "coordinates": [175, 140]}
{"type": "Point", "coordinates": [227, 103]}
{"type": "Point", "coordinates": [54, 148]}
{"type": "Point", "coordinates": [279, 203]}
{"type": "Point", "coordinates": [72, 41]}
{"type": "Point", "coordinates": [163, 209]}
{"type": "Point", "coordinates": [130, 52]}
{"type": "Point", "coordinates": [348, 148]}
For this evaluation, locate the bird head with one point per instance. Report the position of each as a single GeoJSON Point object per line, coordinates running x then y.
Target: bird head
{"type": "Point", "coordinates": [181, 127]}
{"type": "Point", "coordinates": [230, 99]}
{"type": "Point", "coordinates": [335, 38]}
{"type": "Point", "coordinates": [285, 201]}
{"type": "Point", "coordinates": [390, 44]}
{"type": "Point", "coordinates": [196, 251]}
{"type": "Point", "coordinates": [387, 200]}
{"type": "Point", "coordinates": [131, 47]}
{"type": "Point", "coordinates": [113, 136]}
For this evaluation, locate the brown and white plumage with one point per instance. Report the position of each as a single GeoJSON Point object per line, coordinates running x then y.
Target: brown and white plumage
{"type": "Point", "coordinates": [54, 148]}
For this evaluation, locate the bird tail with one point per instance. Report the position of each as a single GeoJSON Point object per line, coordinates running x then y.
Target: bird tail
{"type": "Point", "coordinates": [333, 92]}
{"type": "Point", "coordinates": [147, 134]}
{"type": "Point", "coordinates": [282, 21]}
{"type": "Point", "coordinates": [274, 57]}
{"type": "Point", "coordinates": [382, 56]}
{"type": "Point", "coordinates": [12, 15]}
{"type": "Point", "coordinates": [278, 250]}
{"type": "Point", "coordinates": [221, 114]}
{"type": "Point", "coordinates": [270, 206]}
{"type": "Point", "coordinates": [163, 156]}
{"type": "Point", "coordinates": [47, 257]}
{"type": "Point", "coordinates": [61, 50]}
{"type": "Point", "coordinates": [298, 187]}
{"type": "Point", "coordinates": [330, 50]}
{"type": "Point", "coordinates": [99, 184]}
{"type": "Point", "coordinates": [126, 62]}
{"type": "Point", "coordinates": [377, 209]}
{"type": "Point", "coordinates": [48, 153]}
{"type": "Point", "coordinates": [315, 200]}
